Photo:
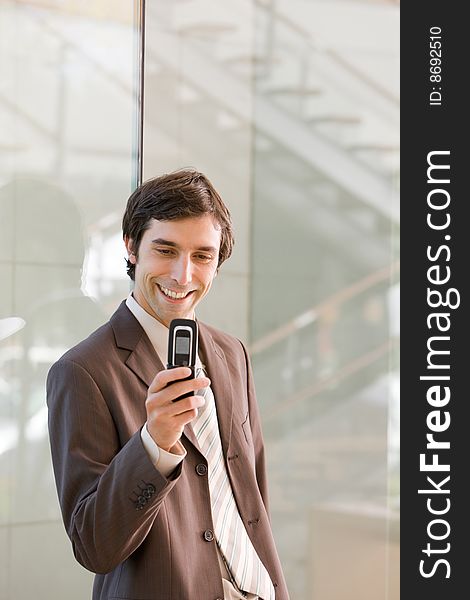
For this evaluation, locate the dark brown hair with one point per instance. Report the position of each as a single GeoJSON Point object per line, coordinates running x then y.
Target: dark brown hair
{"type": "Point", "coordinates": [177, 195]}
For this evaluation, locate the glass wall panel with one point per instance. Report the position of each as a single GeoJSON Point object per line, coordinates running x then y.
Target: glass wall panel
{"type": "Point", "coordinates": [198, 113]}
{"type": "Point", "coordinates": [291, 108]}
{"type": "Point", "coordinates": [323, 301]}
{"type": "Point", "coordinates": [67, 129]}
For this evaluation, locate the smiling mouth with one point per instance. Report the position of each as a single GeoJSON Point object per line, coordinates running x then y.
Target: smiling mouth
{"type": "Point", "coordinates": [174, 295]}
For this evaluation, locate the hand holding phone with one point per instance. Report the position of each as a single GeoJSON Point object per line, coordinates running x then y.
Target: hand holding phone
{"type": "Point", "coordinates": [183, 348]}
{"type": "Point", "coordinates": [166, 418]}
{"type": "Point", "coordinates": [167, 415]}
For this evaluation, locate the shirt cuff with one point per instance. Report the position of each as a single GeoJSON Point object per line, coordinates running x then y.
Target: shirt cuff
{"type": "Point", "coordinates": [164, 461]}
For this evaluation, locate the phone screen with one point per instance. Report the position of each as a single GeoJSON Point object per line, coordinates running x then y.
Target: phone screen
{"type": "Point", "coordinates": [182, 344]}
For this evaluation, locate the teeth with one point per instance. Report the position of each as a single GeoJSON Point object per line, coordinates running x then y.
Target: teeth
{"type": "Point", "coordinates": [172, 294]}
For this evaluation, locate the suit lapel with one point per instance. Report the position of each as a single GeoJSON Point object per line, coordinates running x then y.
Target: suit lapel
{"type": "Point", "coordinates": [129, 335]}
{"type": "Point", "coordinates": [144, 361]}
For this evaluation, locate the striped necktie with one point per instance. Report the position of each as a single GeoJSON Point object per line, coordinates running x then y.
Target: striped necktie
{"type": "Point", "coordinates": [244, 564]}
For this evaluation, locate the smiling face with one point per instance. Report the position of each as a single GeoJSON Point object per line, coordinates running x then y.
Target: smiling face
{"type": "Point", "coordinates": [175, 265]}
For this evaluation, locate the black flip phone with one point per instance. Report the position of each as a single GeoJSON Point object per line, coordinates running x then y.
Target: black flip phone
{"type": "Point", "coordinates": [182, 348]}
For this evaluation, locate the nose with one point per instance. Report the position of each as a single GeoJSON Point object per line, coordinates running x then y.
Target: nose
{"type": "Point", "coordinates": [182, 270]}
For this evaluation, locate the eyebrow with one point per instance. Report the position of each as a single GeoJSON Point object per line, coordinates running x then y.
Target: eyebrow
{"type": "Point", "coordinates": [163, 242]}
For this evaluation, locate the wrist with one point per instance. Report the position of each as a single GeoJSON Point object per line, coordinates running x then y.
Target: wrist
{"type": "Point", "coordinates": [162, 443]}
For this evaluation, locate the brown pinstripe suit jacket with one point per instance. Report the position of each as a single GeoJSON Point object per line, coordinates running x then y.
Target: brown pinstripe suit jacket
{"type": "Point", "coordinates": [141, 533]}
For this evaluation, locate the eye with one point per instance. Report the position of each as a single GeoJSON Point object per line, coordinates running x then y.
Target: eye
{"type": "Point", "coordinates": [204, 257]}
{"type": "Point", "coordinates": [164, 251]}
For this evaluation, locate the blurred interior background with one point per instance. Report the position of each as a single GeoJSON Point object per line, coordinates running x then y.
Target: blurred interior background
{"type": "Point", "coordinates": [292, 110]}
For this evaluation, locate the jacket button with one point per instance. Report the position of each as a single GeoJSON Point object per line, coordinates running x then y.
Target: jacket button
{"type": "Point", "coordinates": [141, 502]}
{"type": "Point", "coordinates": [208, 535]}
{"type": "Point", "coordinates": [201, 469]}
{"type": "Point", "coordinates": [148, 491]}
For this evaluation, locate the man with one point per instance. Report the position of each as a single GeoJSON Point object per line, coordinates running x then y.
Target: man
{"type": "Point", "coordinates": [164, 500]}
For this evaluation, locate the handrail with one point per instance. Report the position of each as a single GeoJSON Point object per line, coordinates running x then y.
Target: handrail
{"type": "Point", "coordinates": [350, 368]}
{"type": "Point", "coordinates": [312, 314]}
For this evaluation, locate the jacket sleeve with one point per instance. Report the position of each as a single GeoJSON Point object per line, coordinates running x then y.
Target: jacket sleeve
{"type": "Point", "coordinates": [109, 496]}
{"type": "Point", "coordinates": [256, 431]}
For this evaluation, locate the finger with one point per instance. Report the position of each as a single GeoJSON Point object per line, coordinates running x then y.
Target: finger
{"type": "Point", "coordinates": [176, 414]}
{"type": "Point", "coordinates": [183, 388]}
{"type": "Point", "coordinates": [191, 403]}
{"type": "Point", "coordinates": [173, 391]}
{"type": "Point", "coordinates": [187, 416]}
{"type": "Point", "coordinates": [166, 376]}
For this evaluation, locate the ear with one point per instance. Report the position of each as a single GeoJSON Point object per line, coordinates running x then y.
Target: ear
{"type": "Point", "coordinates": [130, 252]}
